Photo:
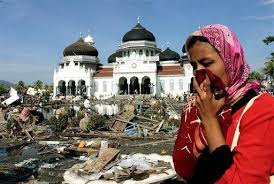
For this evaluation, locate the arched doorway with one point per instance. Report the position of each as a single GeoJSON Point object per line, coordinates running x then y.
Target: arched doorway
{"type": "Point", "coordinates": [72, 87]}
{"type": "Point", "coordinates": [62, 88]}
{"type": "Point", "coordinates": [82, 87]}
{"type": "Point", "coordinates": [123, 86]}
{"type": "Point", "coordinates": [146, 85]}
{"type": "Point", "coordinates": [134, 85]}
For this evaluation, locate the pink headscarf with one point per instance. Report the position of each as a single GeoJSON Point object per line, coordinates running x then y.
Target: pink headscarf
{"type": "Point", "coordinates": [230, 50]}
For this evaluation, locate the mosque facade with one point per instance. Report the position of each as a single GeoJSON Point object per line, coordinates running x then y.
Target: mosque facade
{"type": "Point", "coordinates": [137, 67]}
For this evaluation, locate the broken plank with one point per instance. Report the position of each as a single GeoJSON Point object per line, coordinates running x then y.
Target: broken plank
{"type": "Point", "coordinates": [149, 128]}
{"type": "Point", "coordinates": [98, 164]}
{"type": "Point", "coordinates": [142, 117]}
{"type": "Point", "coordinates": [160, 126]}
{"type": "Point", "coordinates": [155, 142]}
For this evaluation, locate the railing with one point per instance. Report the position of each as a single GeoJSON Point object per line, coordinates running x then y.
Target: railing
{"type": "Point", "coordinates": [137, 58]}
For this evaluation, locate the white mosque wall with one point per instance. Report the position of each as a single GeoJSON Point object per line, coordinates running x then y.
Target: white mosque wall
{"type": "Point", "coordinates": [70, 72]}
{"type": "Point", "coordinates": [103, 87]}
{"type": "Point", "coordinates": [173, 85]}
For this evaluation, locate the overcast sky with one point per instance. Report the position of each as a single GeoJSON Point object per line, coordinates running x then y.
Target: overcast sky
{"type": "Point", "coordinates": [34, 33]}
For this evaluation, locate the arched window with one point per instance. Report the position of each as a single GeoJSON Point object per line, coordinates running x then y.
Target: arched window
{"type": "Point", "coordinates": [147, 53]}
{"type": "Point", "coordinates": [140, 52]}
{"type": "Point", "coordinates": [152, 53]}
{"type": "Point", "coordinates": [171, 84]}
{"type": "Point", "coordinates": [104, 86]}
{"type": "Point", "coordinates": [128, 53]}
{"type": "Point", "coordinates": [181, 84]}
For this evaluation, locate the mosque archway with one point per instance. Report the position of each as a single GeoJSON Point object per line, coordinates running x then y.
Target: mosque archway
{"type": "Point", "coordinates": [82, 89]}
{"type": "Point", "coordinates": [134, 85]}
{"type": "Point", "coordinates": [62, 88]}
{"type": "Point", "coordinates": [146, 85]}
{"type": "Point", "coordinates": [123, 86]}
{"type": "Point", "coordinates": [71, 87]}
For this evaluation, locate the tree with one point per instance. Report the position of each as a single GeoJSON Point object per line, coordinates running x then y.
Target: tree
{"type": "Point", "coordinates": [255, 76]}
{"type": "Point", "coordinates": [21, 87]}
{"type": "Point", "coordinates": [268, 40]}
{"type": "Point", "coordinates": [38, 85]}
{"type": "Point", "coordinates": [3, 89]}
{"type": "Point", "coordinates": [48, 88]}
{"type": "Point", "coordinates": [269, 69]}
{"type": "Point", "coordinates": [269, 65]}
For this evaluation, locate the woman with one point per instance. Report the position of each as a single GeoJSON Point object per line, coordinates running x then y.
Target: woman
{"type": "Point", "coordinates": [207, 149]}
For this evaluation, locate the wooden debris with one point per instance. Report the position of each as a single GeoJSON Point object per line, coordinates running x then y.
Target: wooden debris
{"type": "Point", "coordinates": [149, 128]}
{"type": "Point", "coordinates": [142, 117]}
{"type": "Point", "coordinates": [89, 151]}
{"type": "Point", "coordinates": [150, 143]}
{"type": "Point", "coordinates": [160, 126]}
{"type": "Point", "coordinates": [17, 119]}
{"type": "Point", "coordinates": [98, 164]}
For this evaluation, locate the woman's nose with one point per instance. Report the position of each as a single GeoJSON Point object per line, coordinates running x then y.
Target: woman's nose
{"type": "Point", "coordinates": [198, 67]}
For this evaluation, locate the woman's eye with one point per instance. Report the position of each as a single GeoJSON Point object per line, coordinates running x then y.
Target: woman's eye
{"type": "Point", "coordinates": [207, 64]}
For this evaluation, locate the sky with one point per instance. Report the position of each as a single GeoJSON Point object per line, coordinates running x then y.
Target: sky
{"type": "Point", "coordinates": [34, 33]}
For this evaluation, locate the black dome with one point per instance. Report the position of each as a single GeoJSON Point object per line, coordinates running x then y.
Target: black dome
{"type": "Point", "coordinates": [80, 48]}
{"type": "Point", "coordinates": [112, 57]}
{"type": "Point", "coordinates": [168, 55]}
{"type": "Point", "coordinates": [138, 33]}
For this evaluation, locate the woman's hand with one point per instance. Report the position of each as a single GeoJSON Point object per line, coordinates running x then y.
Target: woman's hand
{"type": "Point", "coordinates": [208, 108]}
{"type": "Point", "coordinates": [206, 104]}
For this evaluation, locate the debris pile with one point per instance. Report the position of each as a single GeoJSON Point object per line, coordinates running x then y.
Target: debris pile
{"type": "Point", "coordinates": [102, 137]}
{"type": "Point", "coordinates": [112, 167]}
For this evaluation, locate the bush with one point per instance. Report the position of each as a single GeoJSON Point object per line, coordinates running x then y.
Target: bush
{"type": "Point", "coordinates": [96, 121]}
{"type": "Point", "coordinates": [57, 125]}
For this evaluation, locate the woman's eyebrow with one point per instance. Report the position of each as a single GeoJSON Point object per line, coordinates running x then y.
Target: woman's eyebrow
{"type": "Point", "coordinates": [203, 60]}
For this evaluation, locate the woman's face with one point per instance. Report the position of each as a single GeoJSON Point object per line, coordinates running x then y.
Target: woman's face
{"type": "Point", "coordinates": [204, 56]}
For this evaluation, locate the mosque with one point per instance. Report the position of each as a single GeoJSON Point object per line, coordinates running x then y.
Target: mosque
{"type": "Point", "coordinates": [137, 67]}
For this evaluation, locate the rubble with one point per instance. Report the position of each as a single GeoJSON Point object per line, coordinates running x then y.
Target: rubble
{"type": "Point", "coordinates": [99, 135]}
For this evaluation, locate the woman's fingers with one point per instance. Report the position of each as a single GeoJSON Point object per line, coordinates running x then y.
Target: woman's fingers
{"type": "Point", "coordinates": [197, 87]}
{"type": "Point", "coordinates": [206, 84]}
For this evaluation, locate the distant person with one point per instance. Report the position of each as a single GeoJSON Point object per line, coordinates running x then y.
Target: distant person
{"type": "Point", "coordinates": [227, 130]}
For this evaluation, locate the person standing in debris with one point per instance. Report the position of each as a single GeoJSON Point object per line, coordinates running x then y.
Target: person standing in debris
{"type": "Point", "coordinates": [226, 133]}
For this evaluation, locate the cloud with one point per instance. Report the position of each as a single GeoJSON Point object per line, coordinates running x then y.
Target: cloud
{"type": "Point", "coordinates": [267, 2]}
{"type": "Point", "coordinates": [267, 17]}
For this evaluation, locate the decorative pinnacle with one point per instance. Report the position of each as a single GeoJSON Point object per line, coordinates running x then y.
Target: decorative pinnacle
{"type": "Point", "coordinates": [80, 34]}
{"type": "Point", "coordinates": [138, 19]}
{"type": "Point", "coordinates": [167, 43]}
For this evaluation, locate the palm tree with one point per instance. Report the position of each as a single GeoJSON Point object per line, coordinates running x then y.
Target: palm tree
{"type": "Point", "coordinates": [21, 87]}
{"type": "Point", "coordinates": [255, 76]}
{"type": "Point", "coordinates": [38, 85]}
{"type": "Point", "coordinates": [269, 65]}
{"type": "Point", "coordinates": [3, 89]}
{"type": "Point", "coordinates": [268, 40]}
{"type": "Point", "coordinates": [46, 87]}
{"type": "Point", "coordinates": [269, 70]}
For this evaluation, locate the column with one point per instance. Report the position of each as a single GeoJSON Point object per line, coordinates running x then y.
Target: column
{"type": "Point", "coordinates": [54, 91]}
{"type": "Point", "coordinates": [128, 88]}
{"type": "Point", "coordinates": [88, 91]}
{"type": "Point", "coordinates": [76, 90]}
